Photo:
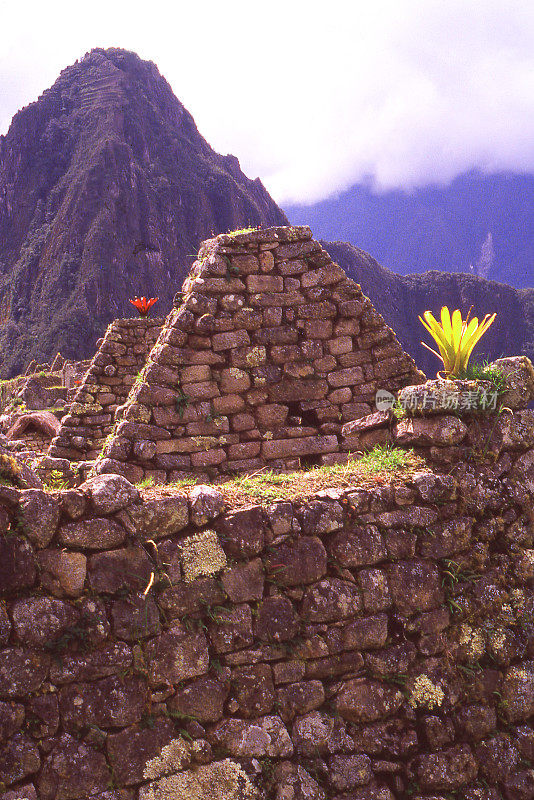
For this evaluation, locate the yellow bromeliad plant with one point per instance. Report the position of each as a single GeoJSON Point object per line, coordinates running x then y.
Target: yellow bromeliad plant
{"type": "Point", "coordinates": [455, 337]}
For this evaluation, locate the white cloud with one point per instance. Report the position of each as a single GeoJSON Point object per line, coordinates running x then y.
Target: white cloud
{"type": "Point", "coordinates": [313, 96]}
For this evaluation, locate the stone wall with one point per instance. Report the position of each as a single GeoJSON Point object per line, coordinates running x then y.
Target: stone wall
{"type": "Point", "coordinates": [105, 386]}
{"type": "Point", "coordinates": [369, 643]}
{"type": "Point", "coordinates": [270, 350]}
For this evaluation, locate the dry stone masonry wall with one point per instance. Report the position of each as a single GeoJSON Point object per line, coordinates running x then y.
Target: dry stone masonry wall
{"type": "Point", "coordinates": [370, 643]}
{"type": "Point", "coordinates": [270, 350]}
{"type": "Point", "coordinates": [105, 386]}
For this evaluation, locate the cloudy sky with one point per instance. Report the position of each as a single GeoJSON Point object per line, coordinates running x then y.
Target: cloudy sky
{"type": "Point", "coordinates": [312, 96]}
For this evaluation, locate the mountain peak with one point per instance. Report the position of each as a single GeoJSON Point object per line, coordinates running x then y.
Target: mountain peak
{"type": "Point", "coordinates": [106, 188]}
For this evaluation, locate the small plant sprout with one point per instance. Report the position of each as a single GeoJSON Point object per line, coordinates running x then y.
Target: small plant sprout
{"type": "Point", "coordinates": [455, 337]}
{"type": "Point", "coordinates": [143, 305]}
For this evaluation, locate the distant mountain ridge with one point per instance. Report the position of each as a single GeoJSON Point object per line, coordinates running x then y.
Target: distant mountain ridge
{"type": "Point", "coordinates": [106, 190]}
{"type": "Point", "coordinates": [401, 298]}
{"type": "Point", "coordinates": [480, 224]}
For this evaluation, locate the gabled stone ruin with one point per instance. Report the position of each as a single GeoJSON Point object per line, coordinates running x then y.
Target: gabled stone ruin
{"type": "Point", "coordinates": [121, 354]}
{"type": "Point", "coordinates": [269, 350]}
{"type": "Point", "coordinates": [35, 430]}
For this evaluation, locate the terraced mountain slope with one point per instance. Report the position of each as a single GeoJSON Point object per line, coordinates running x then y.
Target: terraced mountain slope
{"type": "Point", "coordinates": [106, 187]}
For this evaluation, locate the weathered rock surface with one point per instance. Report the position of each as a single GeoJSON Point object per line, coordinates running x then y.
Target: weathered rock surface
{"type": "Point", "coordinates": [355, 646]}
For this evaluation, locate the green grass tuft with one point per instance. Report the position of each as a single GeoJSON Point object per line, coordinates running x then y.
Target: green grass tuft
{"type": "Point", "coordinates": [146, 483]}
{"type": "Point", "coordinates": [485, 372]}
{"type": "Point", "coordinates": [238, 231]}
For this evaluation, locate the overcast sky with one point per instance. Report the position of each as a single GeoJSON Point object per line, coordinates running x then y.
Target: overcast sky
{"type": "Point", "coordinates": [312, 97]}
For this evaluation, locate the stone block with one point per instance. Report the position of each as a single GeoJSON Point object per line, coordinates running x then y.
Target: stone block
{"type": "Point", "coordinates": [230, 340]}
{"type": "Point", "coordinates": [265, 283]}
{"type": "Point", "coordinates": [332, 599]}
{"type": "Point", "coordinates": [358, 547]}
{"type": "Point", "coordinates": [203, 699]}
{"type": "Point", "coordinates": [252, 690]}
{"type": "Point", "coordinates": [197, 373]}
{"type": "Point", "coordinates": [177, 655]}
{"type": "Point", "coordinates": [234, 381]}
{"type": "Point", "coordinates": [221, 286]}
{"type": "Point", "coordinates": [245, 264]}
{"type": "Point", "coordinates": [439, 431]}
{"type": "Point", "coordinates": [296, 699]}
{"type": "Point", "coordinates": [19, 759]}
{"type": "Point", "coordinates": [228, 404]}
{"type": "Point", "coordinates": [518, 692]}
{"type": "Point", "coordinates": [62, 573]}
{"type": "Point", "coordinates": [108, 703]}
{"type": "Point", "coordinates": [294, 448]}
{"type": "Point", "coordinates": [299, 562]}
{"type": "Point", "coordinates": [38, 621]}
{"type": "Point", "coordinates": [92, 534]}
{"type": "Point", "coordinates": [445, 771]}
{"type": "Point", "coordinates": [345, 377]}
{"type": "Point", "coordinates": [358, 634]}
{"type": "Point", "coordinates": [130, 750]}
{"type": "Point", "coordinates": [276, 335]}
{"type": "Point", "coordinates": [135, 617]}
{"type": "Point", "coordinates": [22, 671]}
{"type": "Point", "coordinates": [118, 570]}
{"type": "Point", "coordinates": [242, 532]}
{"type": "Point", "coordinates": [276, 300]}
{"type": "Point", "coordinates": [265, 737]}
{"type": "Point", "coordinates": [363, 701]}
{"type": "Point", "coordinates": [317, 311]}
{"type": "Point", "coordinates": [244, 582]}
{"type": "Point", "coordinates": [277, 620]}
{"type": "Point", "coordinates": [112, 659]}
{"type": "Point", "coordinates": [72, 770]}
{"type": "Point", "coordinates": [17, 563]}
{"type": "Point", "coordinates": [109, 493]}
{"type": "Point", "coordinates": [189, 598]}
{"type": "Point", "coordinates": [232, 629]}
{"type": "Point", "coordinates": [245, 450]}
{"type": "Point", "coordinates": [204, 390]}
{"type": "Point", "coordinates": [318, 328]}
{"type": "Point", "coordinates": [39, 516]}
{"type": "Point", "coordinates": [208, 458]}
{"type": "Point", "coordinates": [349, 771]}
{"type": "Point", "coordinates": [156, 519]}
{"type": "Point", "coordinates": [415, 586]}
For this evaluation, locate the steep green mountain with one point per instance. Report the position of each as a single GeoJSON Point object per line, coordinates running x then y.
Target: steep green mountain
{"type": "Point", "coordinates": [106, 189]}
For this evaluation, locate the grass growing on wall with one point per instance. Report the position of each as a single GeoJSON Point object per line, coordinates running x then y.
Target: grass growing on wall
{"type": "Point", "coordinates": [374, 467]}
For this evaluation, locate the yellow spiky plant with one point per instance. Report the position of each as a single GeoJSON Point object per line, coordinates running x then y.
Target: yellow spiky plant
{"type": "Point", "coordinates": [455, 337]}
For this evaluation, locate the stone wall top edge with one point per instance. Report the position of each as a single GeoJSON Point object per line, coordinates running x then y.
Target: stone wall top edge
{"type": "Point", "coordinates": [213, 494]}
{"type": "Point", "coordinates": [262, 235]}
{"type": "Point", "coordinates": [139, 321]}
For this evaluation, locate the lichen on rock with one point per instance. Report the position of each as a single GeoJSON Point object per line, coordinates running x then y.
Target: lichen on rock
{"type": "Point", "coordinates": [426, 693]}
{"type": "Point", "coordinates": [202, 554]}
{"type": "Point", "coordinates": [173, 758]}
{"type": "Point", "coordinates": [221, 780]}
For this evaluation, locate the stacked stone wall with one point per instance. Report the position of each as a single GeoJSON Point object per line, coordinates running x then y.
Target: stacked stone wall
{"type": "Point", "coordinates": [372, 642]}
{"type": "Point", "coordinates": [9, 389]}
{"type": "Point", "coordinates": [270, 350]}
{"type": "Point", "coordinates": [105, 386]}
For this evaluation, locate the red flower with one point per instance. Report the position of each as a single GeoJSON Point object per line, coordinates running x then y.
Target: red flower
{"type": "Point", "coordinates": [143, 305]}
